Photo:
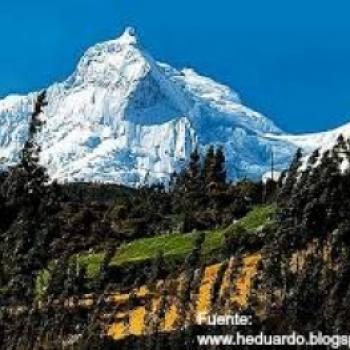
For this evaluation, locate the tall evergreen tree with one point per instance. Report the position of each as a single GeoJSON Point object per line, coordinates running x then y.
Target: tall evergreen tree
{"type": "Point", "coordinates": [194, 184]}
{"type": "Point", "coordinates": [209, 166]}
{"type": "Point", "coordinates": [291, 177]}
{"type": "Point", "coordinates": [220, 170]}
{"type": "Point", "coordinates": [194, 168]}
{"type": "Point", "coordinates": [214, 168]}
{"type": "Point", "coordinates": [32, 204]}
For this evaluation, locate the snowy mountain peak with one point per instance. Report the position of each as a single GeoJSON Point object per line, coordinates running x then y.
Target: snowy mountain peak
{"type": "Point", "coordinates": [109, 62]}
{"type": "Point", "coordinates": [123, 117]}
{"type": "Point", "coordinates": [129, 37]}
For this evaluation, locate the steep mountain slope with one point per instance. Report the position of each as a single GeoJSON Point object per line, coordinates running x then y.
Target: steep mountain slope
{"type": "Point", "coordinates": [123, 117]}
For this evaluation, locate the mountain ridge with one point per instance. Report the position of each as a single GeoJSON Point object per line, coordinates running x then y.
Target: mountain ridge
{"type": "Point", "coordinates": [122, 117]}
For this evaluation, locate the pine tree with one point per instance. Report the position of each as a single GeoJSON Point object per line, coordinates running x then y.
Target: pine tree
{"type": "Point", "coordinates": [188, 194]}
{"type": "Point", "coordinates": [291, 179]}
{"type": "Point", "coordinates": [194, 168]}
{"type": "Point", "coordinates": [209, 166]}
{"type": "Point", "coordinates": [214, 169]}
{"type": "Point", "coordinates": [32, 203]}
{"type": "Point", "coordinates": [220, 170]}
{"type": "Point", "coordinates": [194, 184]}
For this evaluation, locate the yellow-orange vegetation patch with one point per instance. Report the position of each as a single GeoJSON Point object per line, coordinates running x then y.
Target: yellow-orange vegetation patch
{"type": "Point", "coordinates": [119, 298]}
{"type": "Point", "coordinates": [244, 281]}
{"type": "Point", "coordinates": [137, 321]}
{"type": "Point", "coordinates": [171, 316]}
{"type": "Point", "coordinates": [142, 292]}
{"type": "Point", "coordinates": [127, 323]}
{"type": "Point", "coordinates": [210, 275]}
{"type": "Point", "coordinates": [137, 317]}
{"type": "Point", "coordinates": [117, 330]}
{"type": "Point", "coordinates": [226, 281]}
{"type": "Point", "coordinates": [120, 328]}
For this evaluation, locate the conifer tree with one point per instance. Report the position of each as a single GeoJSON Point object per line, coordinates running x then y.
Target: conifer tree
{"type": "Point", "coordinates": [194, 184]}
{"type": "Point", "coordinates": [220, 170]}
{"type": "Point", "coordinates": [209, 166]}
{"type": "Point", "coordinates": [194, 168]}
{"type": "Point", "coordinates": [32, 204]}
{"type": "Point", "coordinates": [291, 175]}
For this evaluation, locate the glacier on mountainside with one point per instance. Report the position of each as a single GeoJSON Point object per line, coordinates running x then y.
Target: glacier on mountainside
{"type": "Point", "coordinates": [123, 117]}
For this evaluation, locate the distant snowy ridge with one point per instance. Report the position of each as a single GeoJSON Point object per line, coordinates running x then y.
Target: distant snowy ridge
{"type": "Point", "coordinates": [323, 142]}
{"type": "Point", "coordinates": [123, 117]}
{"type": "Point", "coordinates": [309, 142]}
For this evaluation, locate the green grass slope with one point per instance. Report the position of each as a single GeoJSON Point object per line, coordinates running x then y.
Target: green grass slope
{"type": "Point", "coordinates": [176, 245]}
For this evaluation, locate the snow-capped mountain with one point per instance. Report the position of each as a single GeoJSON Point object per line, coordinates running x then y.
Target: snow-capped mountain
{"type": "Point", "coordinates": [123, 117]}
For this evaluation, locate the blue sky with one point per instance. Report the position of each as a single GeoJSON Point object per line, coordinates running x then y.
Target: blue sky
{"type": "Point", "coordinates": [287, 59]}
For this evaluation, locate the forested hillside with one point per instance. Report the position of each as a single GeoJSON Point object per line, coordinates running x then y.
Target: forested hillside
{"type": "Point", "coordinates": [94, 266]}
